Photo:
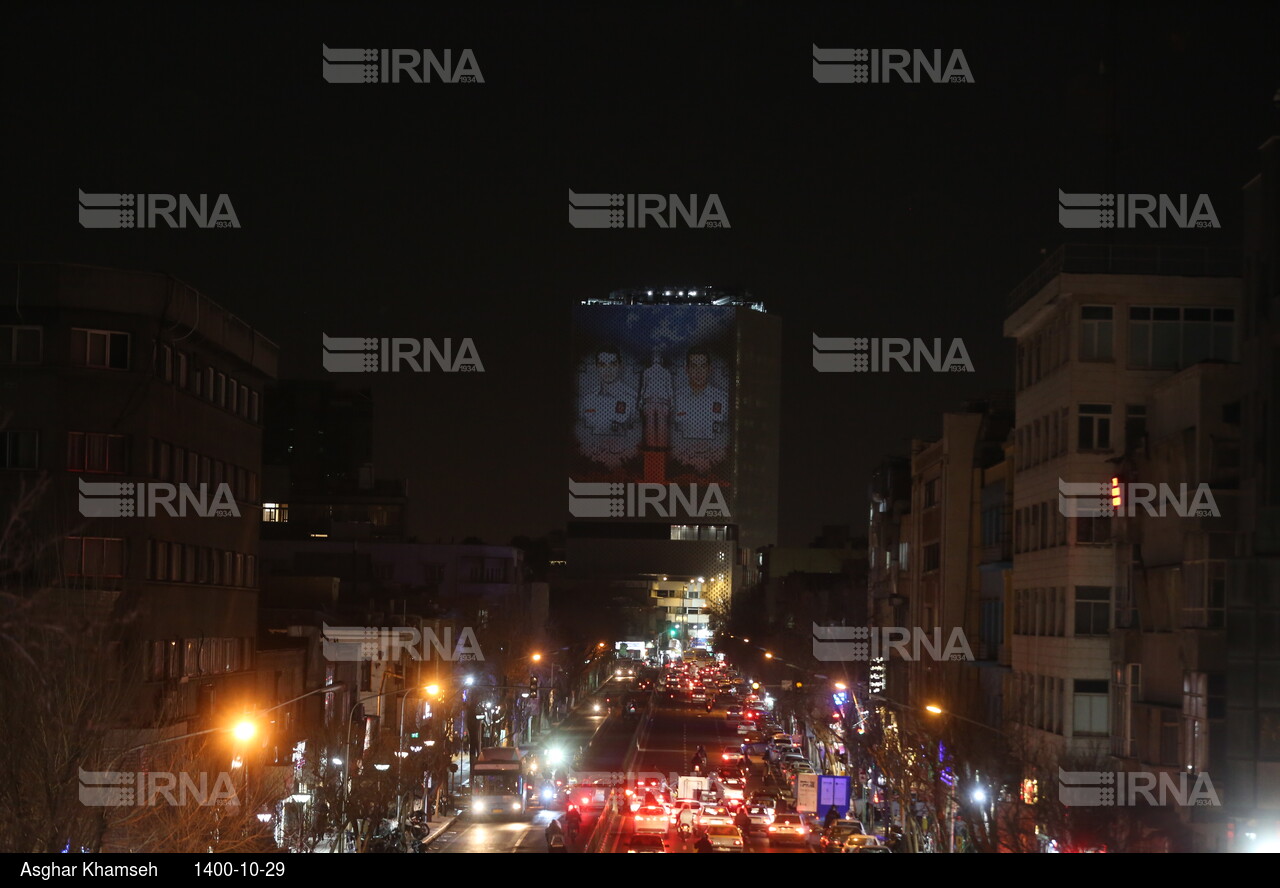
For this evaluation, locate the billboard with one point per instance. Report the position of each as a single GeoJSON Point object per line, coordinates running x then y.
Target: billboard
{"type": "Point", "coordinates": [653, 402]}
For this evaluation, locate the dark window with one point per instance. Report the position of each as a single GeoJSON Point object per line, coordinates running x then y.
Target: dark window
{"type": "Point", "coordinates": [932, 556]}
{"type": "Point", "coordinates": [1094, 430]}
{"type": "Point", "coordinates": [96, 452]}
{"type": "Point", "coordinates": [1093, 530]}
{"type": "Point", "coordinates": [1093, 610]}
{"type": "Point", "coordinates": [103, 349]}
{"type": "Point", "coordinates": [1096, 333]}
{"type": "Point", "coordinates": [1135, 424]}
{"type": "Point", "coordinates": [21, 345]}
{"type": "Point", "coordinates": [19, 450]}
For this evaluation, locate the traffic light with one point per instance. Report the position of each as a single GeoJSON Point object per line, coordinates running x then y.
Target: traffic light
{"type": "Point", "coordinates": [673, 630]}
{"type": "Point", "coordinates": [799, 685]}
{"type": "Point", "coordinates": [533, 684]}
{"type": "Point", "coordinates": [1117, 500]}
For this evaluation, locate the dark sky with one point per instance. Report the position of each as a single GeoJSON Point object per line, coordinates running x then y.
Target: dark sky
{"type": "Point", "coordinates": [440, 210]}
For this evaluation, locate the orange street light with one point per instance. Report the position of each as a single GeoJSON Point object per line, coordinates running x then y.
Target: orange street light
{"type": "Point", "coordinates": [537, 657]}
{"type": "Point", "coordinates": [934, 708]}
{"type": "Point", "coordinates": [432, 689]}
{"type": "Point", "coordinates": [244, 730]}
{"type": "Point", "coordinates": [768, 656]}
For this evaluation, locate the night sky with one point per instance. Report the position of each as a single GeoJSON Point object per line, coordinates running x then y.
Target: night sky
{"type": "Point", "coordinates": [439, 210]}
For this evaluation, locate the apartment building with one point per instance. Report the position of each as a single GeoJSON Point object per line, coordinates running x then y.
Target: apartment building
{"type": "Point", "coordinates": [1097, 330]}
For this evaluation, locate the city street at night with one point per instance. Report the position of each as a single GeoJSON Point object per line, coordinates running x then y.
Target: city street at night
{"type": "Point", "coordinates": [718, 428]}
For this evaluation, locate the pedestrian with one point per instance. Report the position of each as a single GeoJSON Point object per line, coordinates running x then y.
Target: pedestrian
{"type": "Point", "coordinates": [832, 816]}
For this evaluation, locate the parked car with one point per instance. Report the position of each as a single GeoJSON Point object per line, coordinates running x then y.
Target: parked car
{"type": "Point", "coordinates": [855, 844]}
{"type": "Point", "coordinates": [833, 837]}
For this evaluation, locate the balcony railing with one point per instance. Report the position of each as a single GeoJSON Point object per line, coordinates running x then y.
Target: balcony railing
{"type": "Point", "coordinates": [1179, 261]}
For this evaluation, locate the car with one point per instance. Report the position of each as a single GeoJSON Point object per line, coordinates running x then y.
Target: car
{"type": "Point", "coordinates": [789, 828]}
{"type": "Point", "coordinates": [651, 819]}
{"type": "Point", "coordinates": [724, 838]}
{"type": "Point", "coordinates": [699, 696]}
{"type": "Point", "coordinates": [856, 844]}
{"type": "Point", "coordinates": [731, 788]}
{"type": "Point", "coordinates": [716, 815]}
{"type": "Point", "coordinates": [732, 755]}
{"type": "Point", "coordinates": [833, 837]}
{"type": "Point", "coordinates": [765, 800]}
{"type": "Point", "coordinates": [760, 816]}
{"type": "Point", "coordinates": [870, 849]}
{"type": "Point", "coordinates": [590, 793]}
{"type": "Point", "coordinates": [744, 728]}
{"type": "Point", "coordinates": [642, 843]}
{"type": "Point", "coordinates": [780, 739]}
{"type": "Point", "coordinates": [732, 712]}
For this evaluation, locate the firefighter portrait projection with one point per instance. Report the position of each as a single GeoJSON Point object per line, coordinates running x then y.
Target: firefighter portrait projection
{"type": "Point", "coordinates": [654, 393]}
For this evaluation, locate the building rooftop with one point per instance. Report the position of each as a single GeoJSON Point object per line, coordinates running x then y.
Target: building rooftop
{"type": "Point", "coordinates": [679, 295]}
{"type": "Point", "coordinates": [1176, 261]}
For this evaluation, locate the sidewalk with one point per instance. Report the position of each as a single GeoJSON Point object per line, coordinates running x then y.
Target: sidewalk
{"type": "Point", "coordinates": [441, 823]}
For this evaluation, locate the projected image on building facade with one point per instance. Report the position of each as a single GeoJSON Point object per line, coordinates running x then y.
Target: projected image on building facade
{"type": "Point", "coordinates": [654, 393]}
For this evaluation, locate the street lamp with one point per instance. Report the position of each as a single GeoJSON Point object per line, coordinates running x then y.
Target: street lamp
{"type": "Point", "coordinates": [346, 768]}
{"type": "Point", "coordinates": [979, 795]}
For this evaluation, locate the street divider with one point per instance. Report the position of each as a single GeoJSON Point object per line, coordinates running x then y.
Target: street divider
{"type": "Point", "coordinates": [616, 806]}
